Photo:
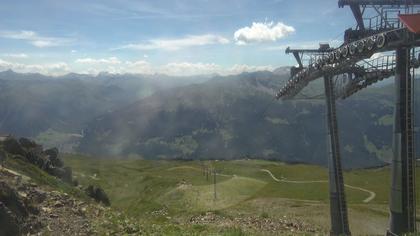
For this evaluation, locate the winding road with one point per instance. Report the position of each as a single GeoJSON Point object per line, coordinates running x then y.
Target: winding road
{"type": "Point", "coordinates": [372, 194]}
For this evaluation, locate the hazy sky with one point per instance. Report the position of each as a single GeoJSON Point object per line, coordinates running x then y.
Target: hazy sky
{"type": "Point", "coordinates": [169, 36]}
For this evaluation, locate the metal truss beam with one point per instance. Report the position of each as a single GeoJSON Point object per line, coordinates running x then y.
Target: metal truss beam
{"type": "Point", "coordinates": [338, 206]}
{"type": "Point", "coordinates": [342, 59]}
{"type": "Point", "coordinates": [403, 201]}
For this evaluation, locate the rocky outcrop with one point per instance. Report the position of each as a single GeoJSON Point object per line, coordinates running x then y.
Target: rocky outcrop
{"type": "Point", "coordinates": [52, 154]}
{"type": "Point", "coordinates": [98, 194]}
{"type": "Point", "coordinates": [29, 144]}
{"type": "Point", "coordinates": [47, 160]}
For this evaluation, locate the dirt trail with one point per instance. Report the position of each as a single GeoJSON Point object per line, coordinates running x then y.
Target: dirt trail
{"type": "Point", "coordinates": [372, 194]}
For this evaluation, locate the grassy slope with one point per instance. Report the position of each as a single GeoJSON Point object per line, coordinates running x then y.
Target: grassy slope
{"type": "Point", "coordinates": [142, 187]}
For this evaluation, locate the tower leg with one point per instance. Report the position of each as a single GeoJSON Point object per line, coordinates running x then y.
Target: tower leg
{"type": "Point", "coordinates": [338, 206]}
{"type": "Point", "coordinates": [402, 199]}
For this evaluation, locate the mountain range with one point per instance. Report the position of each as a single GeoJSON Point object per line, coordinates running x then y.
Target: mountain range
{"type": "Point", "coordinates": [198, 117]}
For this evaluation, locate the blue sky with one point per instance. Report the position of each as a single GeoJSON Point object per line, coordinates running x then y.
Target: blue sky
{"type": "Point", "coordinates": [162, 36]}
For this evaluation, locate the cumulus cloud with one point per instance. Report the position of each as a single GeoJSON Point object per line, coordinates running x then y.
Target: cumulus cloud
{"type": "Point", "coordinates": [58, 68]}
{"type": "Point", "coordinates": [177, 44]}
{"type": "Point", "coordinates": [35, 39]}
{"type": "Point", "coordinates": [262, 32]}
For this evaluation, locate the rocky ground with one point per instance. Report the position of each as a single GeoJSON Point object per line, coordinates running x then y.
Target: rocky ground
{"type": "Point", "coordinates": [38, 196]}
{"type": "Point", "coordinates": [29, 209]}
{"type": "Point", "coordinates": [34, 210]}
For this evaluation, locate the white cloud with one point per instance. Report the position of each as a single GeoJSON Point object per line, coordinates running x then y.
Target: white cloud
{"type": "Point", "coordinates": [140, 67]}
{"type": "Point", "coordinates": [35, 39]}
{"type": "Point", "coordinates": [186, 68]}
{"type": "Point", "coordinates": [16, 55]}
{"type": "Point", "coordinates": [115, 66]}
{"type": "Point", "coordinates": [58, 68]}
{"type": "Point", "coordinates": [239, 68]}
{"type": "Point", "coordinates": [262, 32]}
{"type": "Point", "coordinates": [176, 44]}
{"type": "Point", "coordinates": [23, 34]}
{"type": "Point", "coordinates": [92, 61]}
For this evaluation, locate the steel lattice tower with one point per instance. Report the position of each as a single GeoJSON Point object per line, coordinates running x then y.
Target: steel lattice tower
{"type": "Point", "coordinates": [383, 26]}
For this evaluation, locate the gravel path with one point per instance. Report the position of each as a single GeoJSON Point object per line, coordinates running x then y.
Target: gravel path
{"type": "Point", "coordinates": [372, 194]}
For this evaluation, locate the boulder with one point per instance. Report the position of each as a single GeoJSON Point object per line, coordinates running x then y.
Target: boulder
{"type": "Point", "coordinates": [55, 171]}
{"type": "Point", "coordinates": [52, 154]}
{"type": "Point", "coordinates": [64, 174]}
{"type": "Point", "coordinates": [101, 195]}
{"type": "Point", "coordinates": [98, 194]}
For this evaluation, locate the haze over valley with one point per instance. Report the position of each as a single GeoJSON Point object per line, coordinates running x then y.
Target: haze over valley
{"type": "Point", "coordinates": [209, 117]}
{"type": "Point", "coordinates": [195, 117]}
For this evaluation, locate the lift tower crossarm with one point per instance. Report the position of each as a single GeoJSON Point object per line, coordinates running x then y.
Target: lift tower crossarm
{"type": "Point", "coordinates": [298, 53]}
{"type": "Point", "coordinates": [314, 51]}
